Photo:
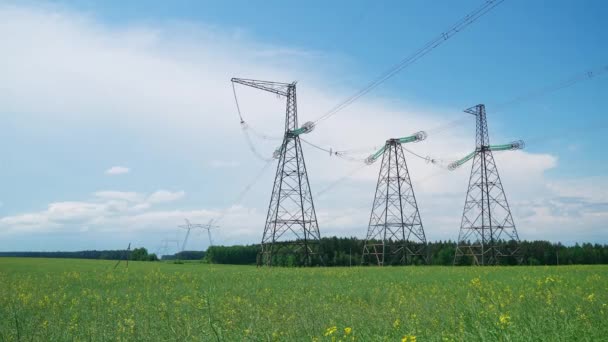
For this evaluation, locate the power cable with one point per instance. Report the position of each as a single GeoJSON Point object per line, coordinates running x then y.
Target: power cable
{"type": "Point", "coordinates": [340, 180]}
{"type": "Point", "coordinates": [246, 128]}
{"type": "Point", "coordinates": [580, 77]}
{"type": "Point", "coordinates": [243, 192]}
{"type": "Point", "coordinates": [332, 152]}
{"type": "Point", "coordinates": [431, 45]}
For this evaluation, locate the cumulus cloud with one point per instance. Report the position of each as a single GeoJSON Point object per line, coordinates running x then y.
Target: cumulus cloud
{"type": "Point", "coordinates": [103, 208]}
{"type": "Point", "coordinates": [117, 170]}
{"type": "Point", "coordinates": [168, 87]}
{"type": "Point", "coordinates": [162, 196]}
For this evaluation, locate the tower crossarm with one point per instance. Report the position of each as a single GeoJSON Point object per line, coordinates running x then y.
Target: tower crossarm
{"type": "Point", "coordinates": [273, 87]}
{"type": "Point", "coordinates": [515, 145]}
{"type": "Point", "coordinates": [416, 137]}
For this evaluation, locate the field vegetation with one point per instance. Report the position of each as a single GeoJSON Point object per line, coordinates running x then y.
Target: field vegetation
{"type": "Point", "coordinates": [89, 300]}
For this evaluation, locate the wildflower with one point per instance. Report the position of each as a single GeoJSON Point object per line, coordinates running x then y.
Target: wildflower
{"type": "Point", "coordinates": [476, 282]}
{"type": "Point", "coordinates": [408, 338]}
{"type": "Point", "coordinates": [329, 331]}
{"type": "Point", "coordinates": [504, 320]}
{"type": "Point", "coordinates": [590, 298]}
{"type": "Point", "coordinates": [396, 323]}
{"type": "Point", "coordinates": [347, 330]}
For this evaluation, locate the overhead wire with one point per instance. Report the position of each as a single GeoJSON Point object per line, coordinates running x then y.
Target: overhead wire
{"type": "Point", "coordinates": [332, 152]}
{"type": "Point", "coordinates": [579, 77]}
{"type": "Point", "coordinates": [246, 128]}
{"type": "Point", "coordinates": [340, 180]}
{"type": "Point", "coordinates": [431, 45]}
{"type": "Point", "coordinates": [244, 192]}
{"type": "Point", "coordinates": [241, 195]}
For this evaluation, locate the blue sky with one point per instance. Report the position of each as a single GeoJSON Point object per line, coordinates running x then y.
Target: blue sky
{"type": "Point", "coordinates": [144, 85]}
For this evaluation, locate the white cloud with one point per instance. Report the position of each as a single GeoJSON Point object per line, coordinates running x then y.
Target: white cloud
{"type": "Point", "coordinates": [162, 196]}
{"type": "Point", "coordinates": [103, 209]}
{"type": "Point", "coordinates": [168, 86]}
{"type": "Point", "coordinates": [117, 170]}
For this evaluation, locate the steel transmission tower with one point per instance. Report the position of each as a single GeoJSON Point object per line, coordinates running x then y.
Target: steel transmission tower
{"type": "Point", "coordinates": [291, 222]}
{"type": "Point", "coordinates": [395, 234]}
{"type": "Point", "coordinates": [487, 230]}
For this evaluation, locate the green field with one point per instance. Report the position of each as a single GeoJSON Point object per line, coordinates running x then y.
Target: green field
{"type": "Point", "coordinates": [87, 300]}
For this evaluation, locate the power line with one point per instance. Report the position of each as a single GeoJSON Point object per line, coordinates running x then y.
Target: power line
{"type": "Point", "coordinates": [245, 190]}
{"type": "Point", "coordinates": [580, 77]}
{"type": "Point", "coordinates": [340, 180]}
{"type": "Point", "coordinates": [460, 25]}
{"type": "Point", "coordinates": [332, 152]}
{"type": "Point", "coordinates": [246, 128]}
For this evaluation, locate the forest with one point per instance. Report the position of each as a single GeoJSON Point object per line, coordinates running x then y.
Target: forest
{"type": "Point", "coordinates": [340, 251]}
{"type": "Point", "coordinates": [336, 251]}
{"type": "Point", "coordinates": [137, 254]}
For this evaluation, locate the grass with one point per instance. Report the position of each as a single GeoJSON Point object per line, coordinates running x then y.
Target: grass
{"type": "Point", "coordinates": [78, 300]}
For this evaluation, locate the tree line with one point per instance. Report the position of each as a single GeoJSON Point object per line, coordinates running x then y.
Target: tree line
{"type": "Point", "coordinates": [341, 251]}
{"type": "Point", "coordinates": [137, 254]}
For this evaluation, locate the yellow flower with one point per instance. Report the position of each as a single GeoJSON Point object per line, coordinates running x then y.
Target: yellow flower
{"type": "Point", "coordinates": [347, 330]}
{"type": "Point", "coordinates": [330, 330]}
{"type": "Point", "coordinates": [408, 338]}
{"type": "Point", "coordinates": [476, 282]}
{"type": "Point", "coordinates": [396, 323]}
{"type": "Point", "coordinates": [591, 298]}
{"type": "Point", "coordinates": [504, 320]}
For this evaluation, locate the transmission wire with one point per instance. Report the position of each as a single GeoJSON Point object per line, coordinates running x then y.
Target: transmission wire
{"type": "Point", "coordinates": [331, 152]}
{"type": "Point", "coordinates": [340, 180]}
{"type": "Point", "coordinates": [580, 77]}
{"type": "Point", "coordinates": [243, 192]}
{"type": "Point", "coordinates": [245, 128]}
{"type": "Point", "coordinates": [431, 45]}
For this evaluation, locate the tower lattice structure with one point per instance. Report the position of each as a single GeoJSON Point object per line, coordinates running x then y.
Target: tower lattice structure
{"type": "Point", "coordinates": [291, 223]}
{"type": "Point", "coordinates": [487, 231]}
{"type": "Point", "coordinates": [395, 233]}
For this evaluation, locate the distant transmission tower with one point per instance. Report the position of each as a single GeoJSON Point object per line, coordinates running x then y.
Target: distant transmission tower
{"type": "Point", "coordinates": [487, 231]}
{"type": "Point", "coordinates": [291, 222]}
{"type": "Point", "coordinates": [395, 234]}
{"type": "Point", "coordinates": [208, 228]}
{"type": "Point", "coordinates": [126, 255]}
{"type": "Point", "coordinates": [164, 248]}
{"type": "Point", "coordinates": [189, 226]}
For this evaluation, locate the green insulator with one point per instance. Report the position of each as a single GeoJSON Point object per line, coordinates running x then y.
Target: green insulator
{"type": "Point", "coordinates": [306, 128]}
{"type": "Point", "coordinates": [454, 165]}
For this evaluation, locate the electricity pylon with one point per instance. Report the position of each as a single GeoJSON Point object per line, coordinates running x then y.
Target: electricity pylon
{"type": "Point", "coordinates": [487, 230]}
{"type": "Point", "coordinates": [291, 222]}
{"type": "Point", "coordinates": [164, 247]}
{"type": "Point", "coordinates": [189, 226]}
{"type": "Point", "coordinates": [208, 228]}
{"type": "Point", "coordinates": [126, 255]}
{"type": "Point", "coordinates": [395, 234]}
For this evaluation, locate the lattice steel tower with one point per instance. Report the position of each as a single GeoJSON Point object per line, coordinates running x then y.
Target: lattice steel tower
{"type": "Point", "coordinates": [487, 231]}
{"type": "Point", "coordinates": [291, 222]}
{"type": "Point", "coordinates": [395, 234]}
